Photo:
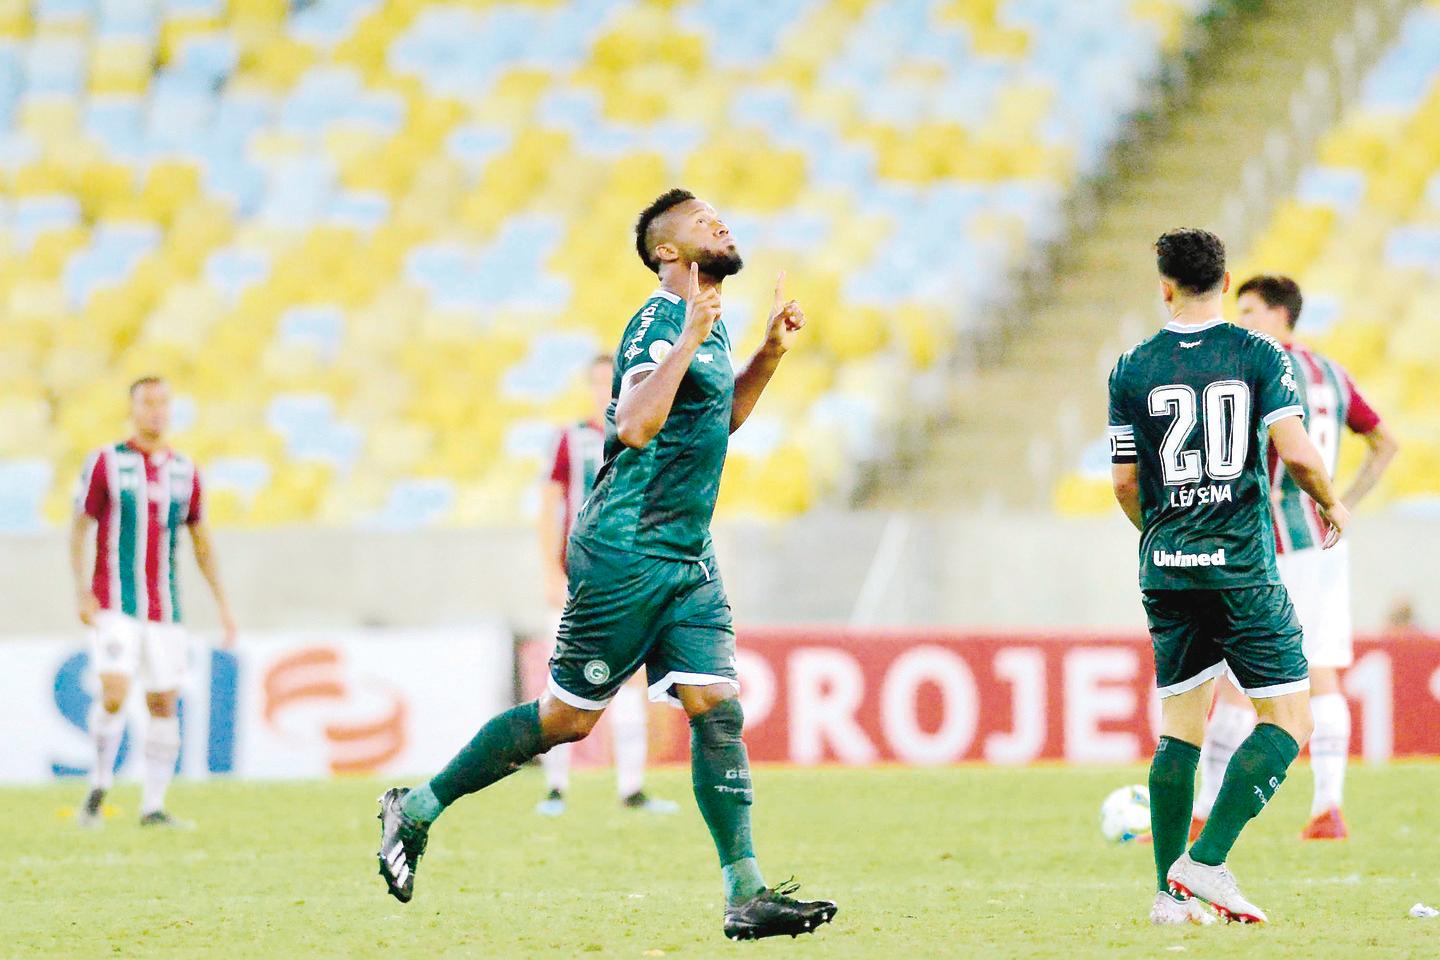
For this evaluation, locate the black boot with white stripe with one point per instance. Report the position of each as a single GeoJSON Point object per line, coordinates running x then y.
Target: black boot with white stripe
{"type": "Point", "coordinates": [402, 844]}
{"type": "Point", "coordinates": [773, 913]}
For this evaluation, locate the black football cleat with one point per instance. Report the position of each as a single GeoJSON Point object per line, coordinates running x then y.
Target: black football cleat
{"type": "Point", "coordinates": [159, 818]}
{"type": "Point", "coordinates": [402, 844]}
{"type": "Point", "coordinates": [92, 815]}
{"type": "Point", "coordinates": [773, 912]}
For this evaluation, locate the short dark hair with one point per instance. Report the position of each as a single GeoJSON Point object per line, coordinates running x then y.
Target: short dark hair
{"type": "Point", "coordinates": [649, 215]}
{"type": "Point", "coordinates": [144, 381]}
{"type": "Point", "coordinates": [1276, 291]}
{"type": "Point", "coordinates": [1193, 258]}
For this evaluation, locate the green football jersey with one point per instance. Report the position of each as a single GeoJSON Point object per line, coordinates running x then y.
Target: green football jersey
{"type": "Point", "coordinates": [1192, 406]}
{"type": "Point", "coordinates": [658, 500]}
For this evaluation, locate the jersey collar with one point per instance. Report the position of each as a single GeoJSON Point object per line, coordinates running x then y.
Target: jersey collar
{"type": "Point", "coordinates": [1175, 327]}
{"type": "Point", "coordinates": [666, 294]}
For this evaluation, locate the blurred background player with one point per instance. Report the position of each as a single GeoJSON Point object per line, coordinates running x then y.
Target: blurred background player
{"type": "Point", "coordinates": [1189, 411]}
{"type": "Point", "coordinates": [1318, 580]}
{"type": "Point", "coordinates": [136, 496]}
{"type": "Point", "coordinates": [578, 455]}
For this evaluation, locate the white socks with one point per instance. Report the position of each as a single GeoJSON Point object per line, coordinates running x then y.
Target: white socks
{"type": "Point", "coordinates": [1329, 750]}
{"type": "Point", "coordinates": [556, 764]}
{"type": "Point", "coordinates": [107, 730]}
{"type": "Point", "coordinates": [162, 747]}
{"type": "Point", "coordinates": [1228, 727]}
{"type": "Point", "coordinates": [627, 715]}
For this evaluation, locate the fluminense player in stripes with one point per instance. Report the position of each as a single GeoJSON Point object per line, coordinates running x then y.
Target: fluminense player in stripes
{"type": "Point", "coordinates": [1193, 410]}
{"type": "Point", "coordinates": [579, 452]}
{"type": "Point", "coordinates": [134, 498]}
{"type": "Point", "coordinates": [1318, 580]}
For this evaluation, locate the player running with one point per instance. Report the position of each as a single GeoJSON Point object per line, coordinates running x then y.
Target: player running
{"type": "Point", "coordinates": [140, 493]}
{"type": "Point", "coordinates": [1190, 412]}
{"type": "Point", "coordinates": [1317, 580]}
{"type": "Point", "coordinates": [578, 456]}
{"type": "Point", "coordinates": [643, 585]}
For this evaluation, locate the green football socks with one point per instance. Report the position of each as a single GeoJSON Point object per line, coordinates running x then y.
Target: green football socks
{"type": "Point", "coordinates": [720, 775]}
{"type": "Point", "coordinates": [1255, 773]}
{"type": "Point", "coordinates": [501, 747]}
{"type": "Point", "coordinates": [1172, 791]}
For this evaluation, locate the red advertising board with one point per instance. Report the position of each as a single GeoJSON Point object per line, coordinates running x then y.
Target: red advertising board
{"type": "Point", "coordinates": [815, 696]}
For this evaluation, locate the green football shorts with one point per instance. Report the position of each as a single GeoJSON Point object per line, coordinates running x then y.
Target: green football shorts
{"type": "Point", "coordinates": [628, 610]}
{"type": "Point", "coordinates": [1196, 633]}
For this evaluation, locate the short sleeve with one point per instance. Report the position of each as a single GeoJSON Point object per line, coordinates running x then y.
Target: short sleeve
{"type": "Point", "coordinates": [197, 501]}
{"type": "Point", "coordinates": [650, 340]}
{"type": "Point", "coordinates": [1277, 395]}
{"type": "Point", "coordinates": [560, 469]}
{"type": "Point", "coordinates": [92, 492]}
{"type": "Point", "coordinates": [1359, 415]}
{"type": "Point", "coordinates": [1121, 428]}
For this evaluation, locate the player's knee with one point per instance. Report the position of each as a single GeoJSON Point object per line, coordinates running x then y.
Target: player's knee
{"type": "Point", "coordinates": [562, 723]}
{"type": "Point", "coordinates": [112, 702]}
{"type": "Point", "coordinates": [160, 704]}
{"type": "Point", "coordinates": [700, 700]}
{"type": "Point", "coordinates": [1289, 713]}
{"type": "Point", "coordinates": [722, 724]}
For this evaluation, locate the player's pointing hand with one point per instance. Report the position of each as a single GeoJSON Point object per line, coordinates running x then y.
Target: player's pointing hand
{"type": "Point", "coordinates": [786, 319]}
{"type": "Point", "coordinates": [702, 308]}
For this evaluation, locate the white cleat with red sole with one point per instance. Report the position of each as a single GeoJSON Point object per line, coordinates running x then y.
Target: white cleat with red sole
{"type": "Point", "coordinates": [1169, 910]}
{"type": "Point", "coordinates": [1216, 886]}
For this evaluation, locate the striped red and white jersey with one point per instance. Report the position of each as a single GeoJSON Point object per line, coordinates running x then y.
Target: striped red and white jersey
{"type": "Point", "coordinates": [1332, 402]}
{"type": "Point", "coordinates": [140, 502]}
{"type": "Point", "coordinates": [578, 455]}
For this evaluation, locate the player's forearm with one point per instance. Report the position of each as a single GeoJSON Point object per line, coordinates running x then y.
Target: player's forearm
{"type": "Point", "coordinates": [750, 383]}
{"type": "Point", "coordinates": [1310, 473]}
{"type": "Point", "coordinates": [644, 405]}
{"type": "Point", "coordinates": [210, 570]}
{"type": "Point", "coordinates": [1382, 450]}
{"type": "Point", "coordinates": [79, 534]}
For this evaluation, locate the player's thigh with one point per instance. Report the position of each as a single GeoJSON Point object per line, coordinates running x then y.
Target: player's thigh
{"type": "Point", "coordinates": [616, 604]}
{"type": "Point", "coordinates": [1321, 595]}
{"type": "Point", "coordinates": [1186, 656]}
{"type": "Point", "coordinates": [697, 645]}
{"type": "Point", "coordinates": [115, 642]}
{"type": "Point", "coordinates": [1182, 716]}
{"type": "Point", "coordinates": [164, 657]}
{"type": "Point", "coordinates": [1263, 641]}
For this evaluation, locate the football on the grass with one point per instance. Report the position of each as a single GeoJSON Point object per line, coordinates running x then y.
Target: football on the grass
{"type": "Point", "coordinates": [1125, 814]}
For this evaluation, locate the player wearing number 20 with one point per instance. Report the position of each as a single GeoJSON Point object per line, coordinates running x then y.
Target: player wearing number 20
{"type": "Point", "coordinates": [1192, 412]}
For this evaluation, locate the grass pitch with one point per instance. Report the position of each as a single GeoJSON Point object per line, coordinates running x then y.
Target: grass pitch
{"type": "Point", "coordinates": [962, 862]}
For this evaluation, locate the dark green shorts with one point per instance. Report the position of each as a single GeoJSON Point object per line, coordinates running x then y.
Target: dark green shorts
{"type": "Point", "coordinates": [628, 610]}
{"type": "Point", "coordinates": [1195, 633]}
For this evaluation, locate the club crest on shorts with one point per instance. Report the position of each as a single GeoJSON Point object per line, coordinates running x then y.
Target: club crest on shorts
{"type": "Point", "coordinates": [597, 671]}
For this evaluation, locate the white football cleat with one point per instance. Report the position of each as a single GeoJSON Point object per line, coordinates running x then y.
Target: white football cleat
{"type": "Point", "coordinates": [1216, 886]}
{"type": "Point", "coordinates": [1168, 910]}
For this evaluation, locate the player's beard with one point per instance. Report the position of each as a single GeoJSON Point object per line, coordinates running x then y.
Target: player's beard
{"type": "Point", "coordinates": [721, 264]}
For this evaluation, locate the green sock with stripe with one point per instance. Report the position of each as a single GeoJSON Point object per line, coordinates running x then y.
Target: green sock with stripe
{"type": "Point", "coordinates": [1255, 773]}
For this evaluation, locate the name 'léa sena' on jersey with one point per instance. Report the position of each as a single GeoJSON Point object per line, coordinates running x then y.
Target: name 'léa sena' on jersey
{"type": "Point", "coordinates": [140, 502]}
{"type": "Point", "coordinates": [1332, 403]}
{"type": "Point", "coordinates": [1192, 407]}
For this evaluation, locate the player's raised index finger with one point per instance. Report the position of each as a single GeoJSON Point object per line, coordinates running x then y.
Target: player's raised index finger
{"type": "Point", "coordinates": [694, 280]}
{"type": "Point", "coordinates": [779, 289]}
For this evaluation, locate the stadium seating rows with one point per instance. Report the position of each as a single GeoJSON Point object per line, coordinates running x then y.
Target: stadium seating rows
{"type": "Point", "coordinates": [1361, 235]}
{"type": "Point", "coordinates": [373, 244]}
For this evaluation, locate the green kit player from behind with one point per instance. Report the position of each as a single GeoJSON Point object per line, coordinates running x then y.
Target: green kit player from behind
{"type": "Point", "coordinates": [644, 590]}
{"type": "Point", "coordinates": [1192, 410]}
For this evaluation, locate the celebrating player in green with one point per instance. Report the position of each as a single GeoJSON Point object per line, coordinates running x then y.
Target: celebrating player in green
{"type": "Point", "coordinates": [1191, 409]}
{"type": "Point", "coordinates": [643, 586]}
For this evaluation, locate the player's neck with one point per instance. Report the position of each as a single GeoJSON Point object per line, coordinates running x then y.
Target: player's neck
{"type": "Point", "coordinates": [1196, 313]}
{"type": "Point", "coordinates": [148, 443]}
{"type": "Point", "coordinates": [679, 284]}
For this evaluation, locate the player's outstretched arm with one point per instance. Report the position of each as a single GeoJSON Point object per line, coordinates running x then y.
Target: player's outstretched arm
{"type": "Point", "coordinates": [786, 320]}
{"type": "Point", "coordinates": [1306, 465]}
{"type": "Point", "coordinates": [210, 567]}
{"type": "Point", "coordinates": [1125, 479]}
{"type": "Point", "coordinates": [1381, 447]}
{"type": "Point", "coordinates": [645, 399]}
